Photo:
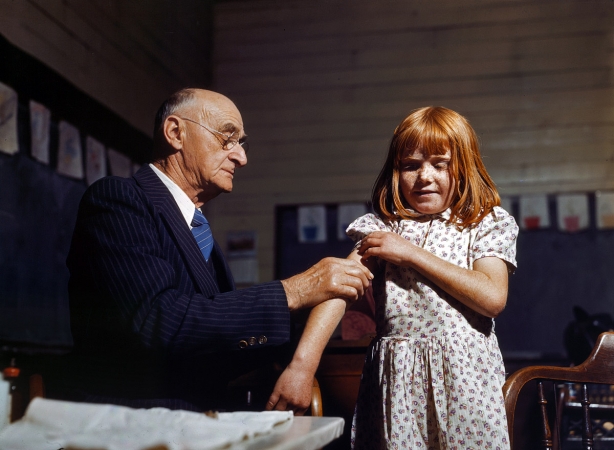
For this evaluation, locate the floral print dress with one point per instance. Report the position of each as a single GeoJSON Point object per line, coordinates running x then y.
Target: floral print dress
{"type": "Point", "coordinates": [433, 375]}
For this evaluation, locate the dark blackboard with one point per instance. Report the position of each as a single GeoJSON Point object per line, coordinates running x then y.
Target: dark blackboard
{"type": "Point", "coordinates": [556, 270]}
{"type": "Point", "coordinates": [38, 206]}
{"type": "Point", "coordinates": [37, 212]}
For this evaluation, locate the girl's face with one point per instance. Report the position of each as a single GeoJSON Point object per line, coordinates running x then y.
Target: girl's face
{"type": "Point", "coordinates": [426, 182]}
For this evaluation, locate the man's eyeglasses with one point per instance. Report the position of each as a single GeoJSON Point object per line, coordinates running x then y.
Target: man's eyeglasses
{"type": "Point", "coordinates": [229, 141]}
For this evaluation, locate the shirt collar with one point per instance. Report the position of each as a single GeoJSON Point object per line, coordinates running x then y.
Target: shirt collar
{"type": "Point", "coordinates": [186, 206]}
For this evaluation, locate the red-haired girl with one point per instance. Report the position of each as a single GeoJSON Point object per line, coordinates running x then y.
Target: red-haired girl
{"type": "Point", "coordinates": [440, 248]}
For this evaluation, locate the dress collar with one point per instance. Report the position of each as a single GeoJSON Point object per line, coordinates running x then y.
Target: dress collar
{"type": "Point", "coordinates": [445, 215]}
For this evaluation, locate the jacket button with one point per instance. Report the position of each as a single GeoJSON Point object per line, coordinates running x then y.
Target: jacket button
{"type": "Point", "coordinates": [252, 340]}
{"type": "Point", "coordinates": [262, 339]}
{"type": "Point", "coordinates": [242, 343]}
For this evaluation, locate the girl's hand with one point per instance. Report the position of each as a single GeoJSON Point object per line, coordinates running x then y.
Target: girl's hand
{"type": "Point", "coordinates": [483, 288]}
{"type": "Point", "coordinates": [388, 246]}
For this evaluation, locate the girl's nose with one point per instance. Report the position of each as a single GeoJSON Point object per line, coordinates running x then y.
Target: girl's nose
{"type": "Point", "coordinates": [426, 172]}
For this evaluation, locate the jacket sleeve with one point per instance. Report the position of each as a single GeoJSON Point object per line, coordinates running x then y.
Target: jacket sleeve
{"type": "Point", "coordinates": [130, 285]}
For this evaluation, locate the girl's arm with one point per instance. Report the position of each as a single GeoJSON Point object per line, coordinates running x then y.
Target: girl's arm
{"type": "Point", "coordinates": [483, 289]}
{"type": "Point", "coordinates": [293, 388]}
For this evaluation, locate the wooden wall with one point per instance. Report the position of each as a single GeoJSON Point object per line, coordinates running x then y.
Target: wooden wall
{"type": "Point", "coordinates": [128, 55]}
{"type": "Point", "coordinates": [322, 85]}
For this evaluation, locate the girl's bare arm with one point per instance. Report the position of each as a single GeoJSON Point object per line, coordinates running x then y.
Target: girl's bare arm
{"type": "Point", "coordinates": [483, 289]}
{"type": "Point", "coordinates": [293, 388]}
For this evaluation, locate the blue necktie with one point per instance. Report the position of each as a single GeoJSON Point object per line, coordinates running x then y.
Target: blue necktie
{"type": "Point", "coordinates": [202, 233]}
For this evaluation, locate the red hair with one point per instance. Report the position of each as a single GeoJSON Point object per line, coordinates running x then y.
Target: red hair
{"type": "Point", "coordinates": [435, 130]}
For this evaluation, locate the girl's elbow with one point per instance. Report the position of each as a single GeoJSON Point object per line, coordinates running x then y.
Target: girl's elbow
{"type": "Point", "coordinates": [496, 306]}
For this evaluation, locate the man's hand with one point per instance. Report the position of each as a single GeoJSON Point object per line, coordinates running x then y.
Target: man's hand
{"type": "Point", "coordinates": [329, 278]}
{"type": "Point", "coordinates": [292, 391]}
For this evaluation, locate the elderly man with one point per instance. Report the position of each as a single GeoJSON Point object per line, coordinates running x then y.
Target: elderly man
{"type": "Point", "coordinates": [155, 317]}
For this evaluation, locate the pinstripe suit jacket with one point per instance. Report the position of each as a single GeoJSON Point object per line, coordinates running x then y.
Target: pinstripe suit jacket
{"type": "Point", "coordinates": [151, 320]}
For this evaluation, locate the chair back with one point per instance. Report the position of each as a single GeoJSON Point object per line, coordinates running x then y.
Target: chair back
{"type": "Point", "coordinates": [598, 368]}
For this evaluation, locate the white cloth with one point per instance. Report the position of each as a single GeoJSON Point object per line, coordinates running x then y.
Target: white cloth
{"type": "Point", "coordinates": [52, 424]}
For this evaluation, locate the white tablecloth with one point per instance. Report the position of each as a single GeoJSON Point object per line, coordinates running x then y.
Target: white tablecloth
{"type": "Point", "coordinates": [52, 424]}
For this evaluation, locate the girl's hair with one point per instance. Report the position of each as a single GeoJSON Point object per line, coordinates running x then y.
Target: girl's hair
{"type": "Point", "coordinates": [435, 130]}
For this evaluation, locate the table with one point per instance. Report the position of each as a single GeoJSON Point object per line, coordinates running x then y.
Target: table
{"type": "Point", "coordinates": [303, 433]}
{"type": "Point", "coordinates": [52, 424]}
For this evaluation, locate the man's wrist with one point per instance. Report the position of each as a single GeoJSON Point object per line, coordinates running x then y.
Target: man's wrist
{"type": "Point", "coordinates": [291, 294]}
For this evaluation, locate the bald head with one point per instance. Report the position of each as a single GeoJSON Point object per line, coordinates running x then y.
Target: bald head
{"type": "Point", "coordinates": [193, 146]}
{"type": "Point", "coordinates": [185, 99]}
{"type": "Point", "coordinates": [206, 107]}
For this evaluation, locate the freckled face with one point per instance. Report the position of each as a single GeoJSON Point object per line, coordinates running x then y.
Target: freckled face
{"type": "Point", "coordinates": [426, 182]}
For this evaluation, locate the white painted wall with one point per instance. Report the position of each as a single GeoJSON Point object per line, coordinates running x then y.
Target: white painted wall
{"type": "Point", "coordinates": [323, 83]}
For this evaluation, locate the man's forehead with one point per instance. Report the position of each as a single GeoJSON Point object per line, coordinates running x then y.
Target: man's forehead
{"type": "Point", "coordinates": [224, 115]}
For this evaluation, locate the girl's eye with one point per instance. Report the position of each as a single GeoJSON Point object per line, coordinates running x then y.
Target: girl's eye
{"type": "Point", "coordinates": [412, 167]}
{"type": "Point", "coordinates": [441, 166]}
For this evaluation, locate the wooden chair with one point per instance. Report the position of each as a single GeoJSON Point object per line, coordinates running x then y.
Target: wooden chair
{"type": "Point", "coordinates": [598, 368]}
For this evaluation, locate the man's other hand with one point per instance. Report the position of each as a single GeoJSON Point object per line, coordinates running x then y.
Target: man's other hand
{"type": "Point", "coordinates": [292, 392]}
{"type": "Point", "coordinates": [329, 278]}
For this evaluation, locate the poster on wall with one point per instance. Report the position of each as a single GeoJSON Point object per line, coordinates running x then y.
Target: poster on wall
{"type": "Point", "coordinates": [346, 214]}
{"type": "Point", "coordinates": [312, 224]}
{"type": "Point", "coordinates": [604, 208]}
{"type": "Point", "coordinates": [8, 120]}
{"type": "Point", "coordinates": [120, 164]}
{"type": "Point", "coordinates": [40, 121]}
{"type": "Point", "coordinates": [96, 160]}
{"type": "Point", "coordinates": [572, 212]}
{"type": "Point", "coordinates": [241, 253]}
{"type": "Point", "coordinates": [70, 159]}
{"type": "Point", "coordinates": [533, 211]}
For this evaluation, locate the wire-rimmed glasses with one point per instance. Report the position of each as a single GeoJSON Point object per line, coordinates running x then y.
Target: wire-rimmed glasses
{"type": "Point", "coordinates": [229, 141]}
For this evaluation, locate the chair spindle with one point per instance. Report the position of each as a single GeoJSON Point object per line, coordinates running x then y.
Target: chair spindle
{"type": "Point", "coordinates": [587, 429]}
{"type": "Point", "coordinates": [547, 435]}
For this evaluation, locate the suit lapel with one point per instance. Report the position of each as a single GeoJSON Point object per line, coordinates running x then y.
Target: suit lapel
{"type": "Point", "coordinates": [224, 275]}
{"type": "Point", "coordinates": [169, 212]}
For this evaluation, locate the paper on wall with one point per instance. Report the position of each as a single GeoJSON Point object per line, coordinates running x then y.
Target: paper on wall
{"type": "Point", "coordinates": [533, 210]}
{"type": "Point", "coordinates": [40, 121]}
{"type": "Point", "coordinates": [70, 159]}
{"type": "Point", "coordinates": [604, 208]}
{"type": "Point", "coordinates": [8, 120]}
{"type": "Point", "coordinates": [96, 160]}
{"type": "Point", "coordinates": [312, 224]}
{"type": "Point", "coordinates": [572, 212]}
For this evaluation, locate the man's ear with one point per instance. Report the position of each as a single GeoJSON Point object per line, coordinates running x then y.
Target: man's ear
{"type": "Point", "coordinates": [173, 132]}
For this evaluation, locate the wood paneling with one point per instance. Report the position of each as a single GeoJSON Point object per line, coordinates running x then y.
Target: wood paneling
{"type": "Point", "coordinates": [127, 55]}
{"type": "Point", "coordinates": [322, 85]}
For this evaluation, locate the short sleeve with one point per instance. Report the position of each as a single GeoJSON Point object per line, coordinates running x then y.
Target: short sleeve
{"type": "Point", "coordinates": [496, 236]}
{"type": "Point", "coordinates": [365, 225]}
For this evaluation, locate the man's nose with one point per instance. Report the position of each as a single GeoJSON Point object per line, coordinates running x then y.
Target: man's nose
{"type": "Point", "coordinates": [238, 155]}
